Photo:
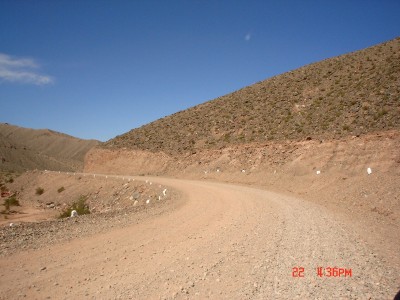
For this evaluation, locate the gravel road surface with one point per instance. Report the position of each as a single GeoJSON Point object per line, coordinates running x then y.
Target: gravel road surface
{"type": "Point", "coordinates": [222, 242]}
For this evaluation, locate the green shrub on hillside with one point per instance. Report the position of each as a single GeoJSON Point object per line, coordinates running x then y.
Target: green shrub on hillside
{"type": "Point", "coordinates": [80, 206]}
{"type": "Point", "coordinates": [11, 201]}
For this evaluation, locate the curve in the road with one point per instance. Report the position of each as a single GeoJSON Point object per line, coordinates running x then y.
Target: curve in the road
{"type": "Point", "coordinates": [225, 242]}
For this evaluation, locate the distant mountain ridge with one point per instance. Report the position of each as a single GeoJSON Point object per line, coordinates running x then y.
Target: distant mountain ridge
{"type": "Point", "coordinates": [351, 94]}
{"type": "Point", "coordinates": [23, 149]}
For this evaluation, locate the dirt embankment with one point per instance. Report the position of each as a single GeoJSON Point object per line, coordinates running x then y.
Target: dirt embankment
{"type": "Point", "coordinates": [348, 156]}
{"type": "Point", "coordinates": [123, 161]}
{"type": "Point", "coordinates": [334, 169]}
{"type": "Point", "coordinates": [44, 195]}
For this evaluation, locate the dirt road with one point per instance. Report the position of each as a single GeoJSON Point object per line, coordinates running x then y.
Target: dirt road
{"type": "Point", "coordinates": [224, 242]}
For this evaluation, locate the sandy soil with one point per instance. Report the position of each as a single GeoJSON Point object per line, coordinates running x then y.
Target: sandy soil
{"type": "Point", "coordinates": [222, 242]}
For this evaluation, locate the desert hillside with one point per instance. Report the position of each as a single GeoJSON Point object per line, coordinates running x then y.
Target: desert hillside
{"type": "Point", "coordinates": [337, 117]}
{"type": "Point", "coordinates": [23, 149]}
{"type": "Point", "coordinates": [352, 94]}
{"type": "Point", "coordinates": [316, 132]}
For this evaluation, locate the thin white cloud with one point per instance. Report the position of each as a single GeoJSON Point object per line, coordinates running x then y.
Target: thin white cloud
{"type": "Point", "coordinates": [247, 37]}
{"type": "Point", "coordinates": [22, 70]}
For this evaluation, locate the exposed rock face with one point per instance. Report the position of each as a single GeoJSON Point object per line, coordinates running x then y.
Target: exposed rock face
{"type": "Point", "coordinates": [122, 161]}
{"type": "Point", "coordinates": [347, 156]}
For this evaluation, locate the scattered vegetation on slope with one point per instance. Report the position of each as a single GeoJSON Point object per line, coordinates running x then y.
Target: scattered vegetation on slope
{"type": "Point", "coordinates": [351, 94]}
{"type": "Point", "coordinates": [11, 198]}
{"type": "Point", "coordinates": [11, 201]}
{"type": "Point", "coordinates": [39, 191]}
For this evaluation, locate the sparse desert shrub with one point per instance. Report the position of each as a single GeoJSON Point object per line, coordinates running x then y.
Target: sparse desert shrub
{"type": "Point", "coordinates": [80, 206]}
{"type": "Point", "coordinates": [227, 137]}
{"type": "Point", "coordinates": [380, 114]}
{"type": "Point", "coordinates": [39, 191]}
{"type": "Point", "coordinates": [61, 189]}
{"type": "Point", "coordinates": [11, 201]}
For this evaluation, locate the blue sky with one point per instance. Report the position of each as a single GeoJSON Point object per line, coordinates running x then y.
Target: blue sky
{"type": "Point", "coordinates": [96, 69]}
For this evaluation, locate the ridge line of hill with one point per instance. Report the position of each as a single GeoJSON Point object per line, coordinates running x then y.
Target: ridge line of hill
{"type": "Point", "coordinates": [24, 148]}
{"type": "Point", "coordinates": [352, 94]}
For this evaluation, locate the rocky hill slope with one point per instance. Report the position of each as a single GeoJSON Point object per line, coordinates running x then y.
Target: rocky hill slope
{"type": "Point", "coordinates": [313, 132]}
{"type": "Point", "coordinates": [23, 149]}
{"type": "Point", "coordinates": [342, 96]}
